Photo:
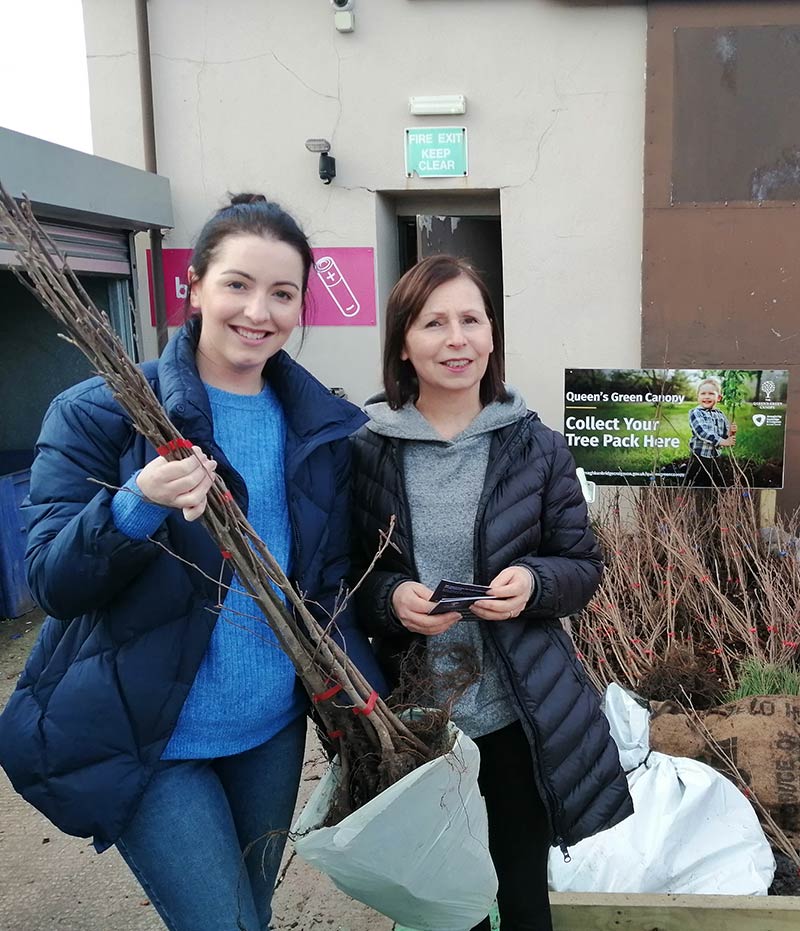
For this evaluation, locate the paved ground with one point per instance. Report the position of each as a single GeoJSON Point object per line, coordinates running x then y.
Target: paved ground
{"type": "Point", "coordinates": [51, 881]}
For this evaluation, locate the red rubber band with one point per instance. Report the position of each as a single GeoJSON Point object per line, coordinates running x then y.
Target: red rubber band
{"type": "Point", "coordinates": [227, 496]}
{"type": "Point", "coordinates": [329, 693]}
{"type": "Point", "coordinates": [370, 705]}
{"type": "Point", "coordinates": [335, 734]}
{"type": "Point", "coordinates": [226, 554]}
{"type": "Point", "coordinates": [172, 445]}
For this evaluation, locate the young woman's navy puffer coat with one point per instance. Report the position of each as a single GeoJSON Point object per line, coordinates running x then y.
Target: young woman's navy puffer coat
{"type": "Point", "coordinates": [129, 622]}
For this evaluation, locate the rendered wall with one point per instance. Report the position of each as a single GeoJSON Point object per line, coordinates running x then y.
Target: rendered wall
{"type": "Point", "coordinates": [555, 119]}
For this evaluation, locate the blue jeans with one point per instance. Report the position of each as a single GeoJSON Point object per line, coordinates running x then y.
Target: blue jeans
{"type": "Point", "coordinates": [207, 838]}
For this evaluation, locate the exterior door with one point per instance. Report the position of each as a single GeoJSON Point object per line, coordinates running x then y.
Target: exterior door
{"type": "Point", "coordinates": [477, 239]}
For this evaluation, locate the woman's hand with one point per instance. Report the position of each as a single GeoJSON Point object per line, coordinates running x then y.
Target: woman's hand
{"type": "Point", "coordinates": [731, 441]}
{"type": "Point", "coordinates": [179, 483]}
{"type": "Point", "coordinates": [412, 605]}
{"type": "Point", "coordinates": [513, 588]}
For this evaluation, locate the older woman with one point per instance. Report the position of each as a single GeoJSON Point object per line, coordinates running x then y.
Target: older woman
{"type": "Point", "coordinates": [484, 492]}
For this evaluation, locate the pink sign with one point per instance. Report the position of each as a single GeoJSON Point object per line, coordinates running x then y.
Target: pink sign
{"type": "Point", "coordinates": [341, 286]}
{"type": "Point", "coordinates": [176, 266]}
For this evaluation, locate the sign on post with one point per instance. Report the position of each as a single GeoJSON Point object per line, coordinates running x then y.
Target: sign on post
{"type": "Point", "coordinates": [684, 427]}
{"type": "Point", "coordinates": [436, 152]}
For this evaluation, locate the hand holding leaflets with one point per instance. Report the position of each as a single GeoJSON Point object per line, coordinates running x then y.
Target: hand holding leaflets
{"type": "Point", "coordinates": [504, 599]}
{"type": "Point", "coordinates": [453, 601]}
{"type": "Point", "coordinates": [458, 596]}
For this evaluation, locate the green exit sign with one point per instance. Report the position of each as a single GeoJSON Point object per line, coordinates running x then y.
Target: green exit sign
{"type": "Point", "coordinates": [436, 152]}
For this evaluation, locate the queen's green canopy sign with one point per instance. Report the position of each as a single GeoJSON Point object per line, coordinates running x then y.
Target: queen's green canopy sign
{"type": "Point", "coordinates": [690, 427]}
{"type": "Point", "coordinates": [436, 152]}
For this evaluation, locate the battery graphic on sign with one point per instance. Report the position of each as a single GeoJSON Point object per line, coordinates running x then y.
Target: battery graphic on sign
{"type": "Point", "coordinates": [336, 285]}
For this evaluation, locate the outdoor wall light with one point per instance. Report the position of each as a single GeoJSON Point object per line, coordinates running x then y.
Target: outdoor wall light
{"type": "Point", "coordinates": [327, 163]}
{"type": "Point", "coordinates": [437, 105]}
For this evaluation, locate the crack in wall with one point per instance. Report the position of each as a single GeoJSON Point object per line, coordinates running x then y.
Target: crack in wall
{"type": "Point", "coordinates": [203, 62]}
{"type": "Point", "coordinates": [198, 79]}
{"type": "Point", "coordinates": [538, 155]}
{"type": "Point", "coordinates": [307, 86]}
{"type": "Point", "coordinates": [338, 91]}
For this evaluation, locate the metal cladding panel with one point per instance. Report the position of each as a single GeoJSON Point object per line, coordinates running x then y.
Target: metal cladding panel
{"type": "Point", "coordinates": [71, 186]}
{"type": "Point", "coordinates": [100, 252]}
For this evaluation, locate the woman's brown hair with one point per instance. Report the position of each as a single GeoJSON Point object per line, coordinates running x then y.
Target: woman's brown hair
{"type": "Point", "coordinates": [407, 299]}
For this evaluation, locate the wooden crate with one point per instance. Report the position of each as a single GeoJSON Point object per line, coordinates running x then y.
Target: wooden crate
{"type": "Point", "coordinates": [627, 912]}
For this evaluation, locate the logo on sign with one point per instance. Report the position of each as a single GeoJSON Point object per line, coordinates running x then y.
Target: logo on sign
{"type": "Point", "coordinates": [759, 419]}
{"type": "Point", "coordinates": [337, 286]}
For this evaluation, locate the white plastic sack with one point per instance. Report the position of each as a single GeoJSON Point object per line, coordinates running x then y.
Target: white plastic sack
{"type": "Point", "coordinates": [692, 830]}
{"type": "Point", "coordinates": [418, 852]}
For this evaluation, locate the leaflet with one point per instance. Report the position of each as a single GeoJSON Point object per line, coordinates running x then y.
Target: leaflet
{"type": "Point", "coordinates": [458, 596]}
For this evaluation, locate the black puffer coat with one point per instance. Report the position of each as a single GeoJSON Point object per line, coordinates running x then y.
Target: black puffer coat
{"type": "Point", "coordinates": [531, 513]}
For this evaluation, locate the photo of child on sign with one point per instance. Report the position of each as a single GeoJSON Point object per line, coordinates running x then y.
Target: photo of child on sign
{"type": "Point", "coordinates": [691, 427]}
{"type": "Point", "coordinates": [711, 432]}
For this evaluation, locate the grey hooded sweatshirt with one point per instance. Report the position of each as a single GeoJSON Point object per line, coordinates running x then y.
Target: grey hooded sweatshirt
{"type": "Point", "coordinates": [443, 483]}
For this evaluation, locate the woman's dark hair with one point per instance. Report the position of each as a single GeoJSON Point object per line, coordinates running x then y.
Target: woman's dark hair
{"type": "Point", "coordinates": [407, 299]}
{"type": "Point", "coordinates": [250, 214]}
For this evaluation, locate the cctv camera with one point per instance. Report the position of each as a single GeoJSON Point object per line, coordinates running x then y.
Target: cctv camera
{"type": "Point", "coordinates": [343, 5]}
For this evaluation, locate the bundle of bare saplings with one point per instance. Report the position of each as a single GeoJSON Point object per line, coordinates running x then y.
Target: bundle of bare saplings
{"type": "Point", "coordinates": [697, 612]}
{"type": "Point", "coordinates": [375, 747]}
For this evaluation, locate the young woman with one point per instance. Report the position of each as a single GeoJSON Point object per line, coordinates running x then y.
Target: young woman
{"type": "Point", "coordinates": [146, 716]}
{"type": "Point", "coordinates": [482, 491]}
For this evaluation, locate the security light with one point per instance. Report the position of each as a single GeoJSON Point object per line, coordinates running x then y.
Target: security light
{"type": "Point", "coordinates": [327, 163]}
{"type": "Point", "coordinates": [438, 105]}
{"type": "Point", "coordinates": [318, 145]}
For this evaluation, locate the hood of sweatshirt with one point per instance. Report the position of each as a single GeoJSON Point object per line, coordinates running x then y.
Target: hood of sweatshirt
{"type": "Point", "coordinates": [408, 424]}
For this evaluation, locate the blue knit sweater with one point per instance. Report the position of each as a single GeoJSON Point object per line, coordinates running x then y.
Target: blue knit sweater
{"type": "Point", "coordinates": [245, 689]}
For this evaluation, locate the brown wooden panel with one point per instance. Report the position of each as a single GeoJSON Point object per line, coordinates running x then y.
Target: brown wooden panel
{"type": "Point", "coordinates": [722, 290]}
{"type": "Point", "coordinates": [721, 287]}
{"type": "Point", "coordinates": [737, 114]}
{"type": "Point", "coordinates": [720, 282]}
{"type": "Point", "coordinates": [663, 19]}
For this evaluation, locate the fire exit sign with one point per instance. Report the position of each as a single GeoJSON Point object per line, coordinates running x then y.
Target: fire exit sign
{"type": "Point", "coordinates": [436, 152]}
